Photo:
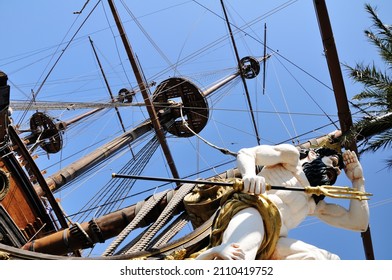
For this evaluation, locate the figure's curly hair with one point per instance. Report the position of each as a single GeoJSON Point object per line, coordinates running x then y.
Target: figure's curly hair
{"type": "Point", "coordinates": [323, 152]}
{"type": "Point", "coordinates": [317, 172]}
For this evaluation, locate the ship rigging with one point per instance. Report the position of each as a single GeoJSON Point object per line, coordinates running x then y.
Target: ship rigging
{"type": "Point", "coordinates": [174, 107]}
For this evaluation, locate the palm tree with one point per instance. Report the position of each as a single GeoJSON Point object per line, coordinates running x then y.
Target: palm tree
{"type": "Point", "coordinates": [375, 101]}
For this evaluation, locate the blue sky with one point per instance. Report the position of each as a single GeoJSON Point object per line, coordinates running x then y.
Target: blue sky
{"type": "Point", "coordinates": [295, 103]}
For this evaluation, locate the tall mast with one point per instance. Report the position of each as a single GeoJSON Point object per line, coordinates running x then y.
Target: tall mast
{"type": "Point", "coordinates": [107, 84]}
{"type": "Point", "coordinates": [240, 68]}
{"type": "Point", "coordinates": [344, 113]}
{"type": "Point", "coordinates": [144, 90]}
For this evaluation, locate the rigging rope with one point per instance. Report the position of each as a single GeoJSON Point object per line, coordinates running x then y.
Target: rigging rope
{"type": "Point", "coordinates": [34, 95]}
{"type": "Point", "coordinates": [163, 217]}
{"type": "Point", "coordinates": [146, 208]}
{"type": "Point", "coordinates": [170, 231]}
{"type": "Point", "coordinates": [147, 35]}
{"type": "Point", "coordinates": [223, 150]}
{"type": "Point", "coordinates": [135, 166]}
{"type": "Point", "coordinates": [114, 192]}
{"type": "Point", "coordinates": [318, 105]}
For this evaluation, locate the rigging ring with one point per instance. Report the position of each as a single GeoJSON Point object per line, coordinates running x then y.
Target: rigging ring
{"type": "Point", "coordinates": [45, 130]}
{"type": "Point", "coordinates": [194, 105]}
{"type": "Point", "coordinates": [250, 67]}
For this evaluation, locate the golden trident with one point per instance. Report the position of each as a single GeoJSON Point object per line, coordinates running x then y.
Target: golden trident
{"type": "Point", "coordinates": [327, 190]}
{"type": "Point", "coordinates": [238, 185]}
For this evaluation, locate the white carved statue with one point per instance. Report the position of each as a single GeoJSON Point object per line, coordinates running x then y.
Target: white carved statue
{"type": "Point", "coordinates": [283, 166]}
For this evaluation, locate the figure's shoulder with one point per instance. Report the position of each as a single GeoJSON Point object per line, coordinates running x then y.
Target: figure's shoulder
{"type": "Point", "coordinates": [272, 149]}
{"type": "Point", "coordinates": [287, 148]}
{"type": "Point", "coordinates": [271, 154]}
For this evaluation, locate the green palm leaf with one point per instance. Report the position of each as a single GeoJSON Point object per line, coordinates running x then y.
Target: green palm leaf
{"type": "Point", "coordinates": [374, 127]}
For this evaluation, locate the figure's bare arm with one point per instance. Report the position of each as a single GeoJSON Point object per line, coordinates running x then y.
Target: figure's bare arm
{"type": "Point", "coordinates": [264, 155]}
{"type": "Point", "coordinates": [356, 217]}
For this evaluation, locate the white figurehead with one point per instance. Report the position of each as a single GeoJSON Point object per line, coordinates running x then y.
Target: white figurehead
{"type": "Point", "coordinates": [285, 165]}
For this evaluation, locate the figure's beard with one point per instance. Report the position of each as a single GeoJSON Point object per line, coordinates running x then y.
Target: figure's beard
{"type": "Point", "coordinates": [319, 174]}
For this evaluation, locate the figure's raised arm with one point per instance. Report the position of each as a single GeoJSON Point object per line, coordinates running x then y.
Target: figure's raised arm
{"type": "Point", "coordinates": [264, 155]}
{"type": "Point", "coordinates": [353, 170]}
{"type": "Point", "coordinates": [356, 217]}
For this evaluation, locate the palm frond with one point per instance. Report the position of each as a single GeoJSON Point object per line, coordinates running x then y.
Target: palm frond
{"type": "Point", "coordinates": [375, 128]}
{"type": "Point", "coordinates": [381, 141]}
{"type": "Point", "coordinates": [370, 76]}
{"type": "Point", "coordinates": [384, 46]}
{"type": "Point", "coordinates": [389, 163]}
{"type": "Point", "coordinates": [384, 30]}
{"type": "Point", "coordinates": [382, 39]}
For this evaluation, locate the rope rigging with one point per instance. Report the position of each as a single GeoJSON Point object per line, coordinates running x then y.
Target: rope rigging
{"type": "Point", "coordinates": [35, 94]}
{"type": "Point", "coordinates": [113, 193]}
{"type": "Point", "coordinates": [147, 206]}
{"type": "Point", "coordinates": [223, 150]}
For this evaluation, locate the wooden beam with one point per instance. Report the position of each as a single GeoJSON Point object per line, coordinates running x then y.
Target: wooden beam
{"type": "Point", "coordinates": [344, 113]}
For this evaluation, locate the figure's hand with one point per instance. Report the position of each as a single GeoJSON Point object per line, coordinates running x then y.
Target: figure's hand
{"type": "Point", "coordinates": [229, 252]}
{"type": "Point", "coordinates": [223, 252]}
{"type": "Point", "coordinates": [352, 168]}
{"type": "Point", "coordinates": [254, 184]}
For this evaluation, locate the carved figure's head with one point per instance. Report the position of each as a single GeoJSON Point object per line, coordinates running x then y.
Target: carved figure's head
{"type": "Point", "coordinates": [321, 166]}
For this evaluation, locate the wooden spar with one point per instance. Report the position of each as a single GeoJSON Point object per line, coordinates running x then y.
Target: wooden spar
{"type": "Point", "coordinates": [60, 126]}
{"type": "Point", "coordinates": [334, 68]}
{"type": "Point", "coordinates": [220, 83]}
{"type": "Point", "coordinates": [82, 116]}
{"type": "Point", "coordinates": [344, 113]}
{"type": "Point", "coordinates": [109, 90]}
{"type": "Point", "coordinates": [49, 105]}
{"type": "Point", "coordinates": [80, 166]}
{"type": "Point", "coordinates": [265, 55]}
{"type": "Point", "coordinates": [144, 90]}
{"type": "Point", "coordinates": [98, 230]}
{"type": "Point", "coordinates": [107, 84]}
{"type": "Point", "coordinates": [241, 72]}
